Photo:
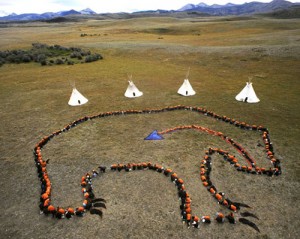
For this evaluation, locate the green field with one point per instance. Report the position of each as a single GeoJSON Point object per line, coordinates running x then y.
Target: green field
{"type": "Point", "coordinates": [222, 54]}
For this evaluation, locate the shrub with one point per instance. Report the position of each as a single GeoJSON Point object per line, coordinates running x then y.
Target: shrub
{"type": "Point", "coordinates": [41, 58]}
{"type": "Point", "coordinates": [43, 62]}
{"type": "Point", "coordinates": [59, 61]}
{"type": "Point", "coordinates": [26, 58]}
{"type": "Point", "coordinates": [75, 54]}
{"type": "Point", "coordinates": [93, 57]}
{"type": "Point", "coordinates": [40, 52]}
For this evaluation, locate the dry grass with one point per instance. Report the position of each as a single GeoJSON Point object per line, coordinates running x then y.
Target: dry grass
{"type": "Point", "coordinates": [222, 56]}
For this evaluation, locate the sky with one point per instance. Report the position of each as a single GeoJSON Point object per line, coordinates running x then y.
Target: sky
{"type": "Point", "coordinates": [103, 6]}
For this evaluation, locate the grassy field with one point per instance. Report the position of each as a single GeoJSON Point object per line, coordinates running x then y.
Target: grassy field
{"type": "Point", "coordinates": [222, 54]}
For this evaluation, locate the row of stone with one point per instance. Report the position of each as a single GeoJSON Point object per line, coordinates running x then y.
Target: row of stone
{"type": "Point", "coordinates": [45, 199]}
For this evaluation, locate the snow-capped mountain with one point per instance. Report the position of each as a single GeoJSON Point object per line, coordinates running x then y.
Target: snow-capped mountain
{"type": "Point", "coordinates": [44, 16]}
{"type": "Point", "coordinates": [204, 5]}
{"type": "Point", "coordinates": [87, 11]}
{"type": "Point", "coordinates": [201, 8]}
{"type": "Point", "coordinates": [192, 6]}
{"type": "Point", "coordinates": [239, 9]}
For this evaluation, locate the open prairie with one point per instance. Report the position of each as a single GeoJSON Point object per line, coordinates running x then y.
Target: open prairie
{"type": "Point", "coordinates": [222, 54]}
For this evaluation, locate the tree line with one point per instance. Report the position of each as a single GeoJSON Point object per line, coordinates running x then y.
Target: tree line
{"type": "Point", "coordinates": [49, 55]}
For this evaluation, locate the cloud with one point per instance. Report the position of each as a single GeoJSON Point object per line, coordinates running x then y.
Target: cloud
{"type": "Point", "coordinates": [36, 6]}
{"type": "Point", "coordinates": [21, 6]}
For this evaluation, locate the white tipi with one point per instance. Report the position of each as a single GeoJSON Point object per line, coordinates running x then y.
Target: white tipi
{"type": "Point", "coordinates": [132, 91]}
{"type": "Point", "coordinates": [247, 94]}
{"type": "Point", "coordinates": [186, 89]}
{"type": "Point", "coordinates": [77, 98]}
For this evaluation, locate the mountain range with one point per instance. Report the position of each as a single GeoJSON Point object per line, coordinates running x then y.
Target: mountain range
{"type": "Point", "coordinates": [213, 10]}
{"type": "Point", "coordinates": [46, 15]}
{"type": "Point", "coordinates": [241, 9]}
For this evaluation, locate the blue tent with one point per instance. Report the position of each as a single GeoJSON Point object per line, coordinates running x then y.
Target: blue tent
{"type": "Point", "coordinates": [154, 136]}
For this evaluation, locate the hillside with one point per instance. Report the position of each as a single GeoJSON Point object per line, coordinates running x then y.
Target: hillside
{"type": "Point", "coordinates": [243, 9]}
{"type": "Point", "coordinates": [189, 10]}
{"type": "Point", "coordinates": [292, 12]}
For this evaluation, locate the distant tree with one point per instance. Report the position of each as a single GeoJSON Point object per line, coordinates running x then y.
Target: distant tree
{"type": "Point", "coordinates": [59, 61]}
{"type": "Point", "coordinates": [43, 62]}
{"type": "Point", "coordinates": [42, 52]}
{"type": "Point", "coordinates": [12, 58]}
{"type": "Point", "coordinates": [93, 57]}
{"type": "Point", "coordinates": [26, 58]}
{"type": "Point", "coordinates": [41, 57]}
{"type": "Point", "coordinates": [38, 45]}
{"type": "Point", "coordinates": [3, 54]}
{"type": "Point", "coordinates": [75, 54]}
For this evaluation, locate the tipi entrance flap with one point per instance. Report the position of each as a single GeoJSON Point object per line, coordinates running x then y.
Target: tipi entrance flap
{"type": "Point", "coordinates": [247, 94]}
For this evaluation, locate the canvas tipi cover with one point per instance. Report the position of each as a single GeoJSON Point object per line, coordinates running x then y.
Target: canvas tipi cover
{"type": "Point", "coordinates": [77, 98]}
{"type": "Point", "coordinates": [247, 94]}
{"type": "Point", "coordinates": [132, 91]}
{"type": "Point", "coordinates": [186, 89]}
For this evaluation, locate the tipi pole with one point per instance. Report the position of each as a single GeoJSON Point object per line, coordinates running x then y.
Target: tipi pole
{"type": "Point", "coordinates": [188, 73]}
